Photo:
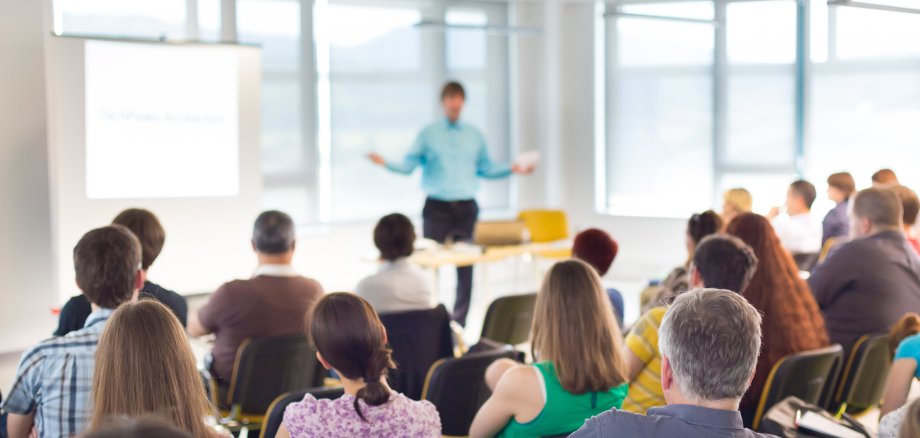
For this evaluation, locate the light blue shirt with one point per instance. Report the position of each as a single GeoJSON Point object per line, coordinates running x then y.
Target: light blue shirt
{"type": "Point", "coordinates": [55, 379]}
{"type": "Point", "coordinates": [453, 156]}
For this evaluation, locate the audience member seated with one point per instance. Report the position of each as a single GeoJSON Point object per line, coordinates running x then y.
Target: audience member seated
{"type": "Point", "coordinates": [735, 202]}
{"type": "Point", "coordinates": [836, 224]}
{"type": "Point", "coordinates": [792, 322]}
{"type": "Point", "coordinates": [596, 248]}
{"type": "Point", "coordinates": [884, 178]}
{"type": "Point", "coordinates": [902, 423]}
{"type": "Point", "coordinates": [272, 303]}
{"type": "Point", "coordinates": [798, 230]}
{"type": "Point", "coordinates": [867, 284]}
{"type": "Point", "coordinates": [53, 382]}
{"type": "Point", "coordinates": [398, 286]}
{"type": "Point", "coordinates": [904, 342]}
{"type": "Point", "coordinates": [145, 367]}
{"type": "Point", "coordinates": [710, 340]}
{"type": "Point", "coordinates": [720, 261]}
{"type": "Point", "coordinates": [148, 230]}
{"type": "Point", "coordinates": [351, 340]}
{"type": "Point", "coordinates": [578, 371]}
{"type": "Point", "coordinates": [911, 206]}
{"type": "Point", "coordinates": [677, 282]}
{"type": "Point", "coordinates": [143, 428]}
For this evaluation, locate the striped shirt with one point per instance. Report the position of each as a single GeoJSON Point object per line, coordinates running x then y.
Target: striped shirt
{"type": "Point", "coordinates": [54, 380]}
{"type": "Point", "coordinates": [645, 392]}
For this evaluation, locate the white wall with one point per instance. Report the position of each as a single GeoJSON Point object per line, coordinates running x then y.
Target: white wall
{"type": "Point", "coordinates": [26, 293]}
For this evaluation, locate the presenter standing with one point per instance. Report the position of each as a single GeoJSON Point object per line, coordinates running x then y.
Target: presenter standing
{"type": "Point", "coordinates": [453, 156]}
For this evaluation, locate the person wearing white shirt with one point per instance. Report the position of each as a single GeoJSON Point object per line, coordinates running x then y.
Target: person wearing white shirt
{"type": "Point", "coordinates": [798, 230]}
{"type": "Point", "coordinates": [398, 286]}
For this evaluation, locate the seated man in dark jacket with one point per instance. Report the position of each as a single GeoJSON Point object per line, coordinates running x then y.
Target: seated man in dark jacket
{"type": "Point", "coordinates": [867, 284]}
{"type": "Point", "coordinates": [148, 230]}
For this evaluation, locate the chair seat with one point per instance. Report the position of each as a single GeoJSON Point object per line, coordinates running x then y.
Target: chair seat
{"type": "Point", "coordinates": [251, 421]}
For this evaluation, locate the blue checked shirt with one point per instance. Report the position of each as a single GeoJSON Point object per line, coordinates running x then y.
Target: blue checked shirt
{"type": "Point", "coordinates": [55, 378]}
{"type": "Point", "coordinates": [453, 156]}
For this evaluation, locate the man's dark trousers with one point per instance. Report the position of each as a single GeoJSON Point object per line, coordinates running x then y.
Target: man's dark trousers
{"type": "Point", "coordinates": [453, 221]}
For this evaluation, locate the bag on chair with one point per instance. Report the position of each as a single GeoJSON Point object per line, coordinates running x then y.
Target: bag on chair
{"type": "Point", "coordinates": [793, 418]}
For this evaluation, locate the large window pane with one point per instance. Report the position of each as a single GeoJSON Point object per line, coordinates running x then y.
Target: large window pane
{"type": "Point", "coordinates": [662, 134]}
{"type": "Point", "coordinates": [864, 121]}
{"type": "Point", "coordinates": [275, 25]}
{"type": "Point", "coordinates": [643, 42]}
{"type": "Point", "coordinates": [466, 47]}
{"type": "Point", "coordinates": [660, 122]}
{"type": "Point", "coordinates": [867, 34]}
{"type": "Point", "coordinates": [365, 39]}
{"type": "Point", "coordinates": [761, 32]}
{"type": "Point", "coordinates": [121, 18]}
{"type": "Point", "coordinates": [760, 116]}
{"type": "Point", "coordinates": [361, 190]}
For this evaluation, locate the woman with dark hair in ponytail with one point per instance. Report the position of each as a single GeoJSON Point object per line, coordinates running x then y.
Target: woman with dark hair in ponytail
{"type": "Point", "coordinates": [351, 340]}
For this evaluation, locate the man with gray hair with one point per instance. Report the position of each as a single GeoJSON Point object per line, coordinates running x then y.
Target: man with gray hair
{"type": "Point", "coordinates": [867, 284]}
{"type": "Point", "coordinates": [709, 342]}
{"type": "Point", "coordinates": [271, 303]}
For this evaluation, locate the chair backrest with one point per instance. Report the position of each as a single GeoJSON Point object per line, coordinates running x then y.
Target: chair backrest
{"type": "Point", "coordinates": [546, 225]}
{"type": "Point", "coordinates": [457, 388]}
{"type": "Point", "coordinates": [275, 415]}
{"type": "Point", "coordinates": [418, 339]}
{"type": "Point", "coordinates": [268, 367]}
{"type": "Point", "coordinates": [803, 375]}
{"type": "Point", "coordinates": [508, 319]}
{"type": "Point", "coordinates": [806, 261]}
{"type": "Point", "coordinates": [863, 379]}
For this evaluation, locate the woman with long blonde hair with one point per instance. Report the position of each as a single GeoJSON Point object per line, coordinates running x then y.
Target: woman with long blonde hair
{"type": "Point", "coordinates": [144, 367]}
{"type": "Point", "coordinates": [578, 372]}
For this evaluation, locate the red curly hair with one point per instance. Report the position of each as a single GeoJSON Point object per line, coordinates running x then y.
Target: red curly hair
{"type": "Point", "coordinates": [792, 321]}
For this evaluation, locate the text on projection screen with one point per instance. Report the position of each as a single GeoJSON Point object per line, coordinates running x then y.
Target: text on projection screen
{"type": "Point", "coordinates": [161, 121]}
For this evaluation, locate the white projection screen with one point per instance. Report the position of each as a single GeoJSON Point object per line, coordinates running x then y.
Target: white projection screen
{"type": "Point", "coordinates": [174, 108]}
{"type": "Point", "coordinates": [173, 128]}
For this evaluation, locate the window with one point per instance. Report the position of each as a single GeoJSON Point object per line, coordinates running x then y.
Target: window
{"type": "Point", "coordinates": [865, 95]}
{"type": "Point", "coordinates": [661, 108]}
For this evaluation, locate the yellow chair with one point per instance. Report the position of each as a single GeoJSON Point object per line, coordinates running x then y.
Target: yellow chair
{"type": "Point", "coordinates": [547, 226]}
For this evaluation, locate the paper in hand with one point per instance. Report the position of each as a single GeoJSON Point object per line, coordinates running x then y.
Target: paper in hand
{"type": "Point", "coordinates": [528, 160]}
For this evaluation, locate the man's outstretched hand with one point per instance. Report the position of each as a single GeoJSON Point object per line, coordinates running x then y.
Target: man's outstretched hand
{"type": "Point", "coordinates": [376, 158]}
{"type": "Point", "coordinates": [522, 170]}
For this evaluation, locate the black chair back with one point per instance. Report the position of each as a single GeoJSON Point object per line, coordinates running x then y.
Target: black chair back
{"type": "Point", "coordinates": [509, 318]}
{"type": "Point", "coordinates": [803, 375]}
{"type": "Point", "coordinates": [457, 388]}
{"type": "Point", "coordinates": [268, 367]}
{"type": "Point", "coordinates": [418, 339]}
{"type": "Point", "coordinates": [806, 261]}
{"type": "Point", "coordinates": [275, 415]}
{"type": "Point", "coordinates": [863, 379]}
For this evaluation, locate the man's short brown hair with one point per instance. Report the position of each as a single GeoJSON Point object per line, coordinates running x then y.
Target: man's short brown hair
{"type": "Point", "coordinates": [910, 204]}
{"type": "Point", "coordinates": [106, 261]}
{"type": "Point", "coordinates": [881, 206]}
{"type": "Point", "coordinates": [885, 176]}
{"type": "Point", "coordinates": [842, 181]}
{"type": "Point", "coordinates": [452, 88]}
{"type": "Point", "coordinates": [148, 230]}
{"type": "Point", "coordinates": [806, 191]}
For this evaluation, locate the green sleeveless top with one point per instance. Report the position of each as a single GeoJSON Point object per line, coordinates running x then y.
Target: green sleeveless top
{"type": "Point", "coordinates": [564, 412]}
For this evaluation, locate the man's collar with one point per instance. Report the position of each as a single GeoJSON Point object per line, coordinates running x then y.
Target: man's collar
{"type": "Point", "coordinates": [97, 316]}
{"type": "Point", "coordinates": [456, 124]}
{"type": "Point", "coordinates": [275, 271]}
{"type": "Point", "coordinates": [701, 416]}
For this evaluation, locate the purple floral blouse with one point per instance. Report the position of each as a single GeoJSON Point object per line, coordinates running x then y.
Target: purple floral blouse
{"type": "Point", "coordinates": [399, 417]}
